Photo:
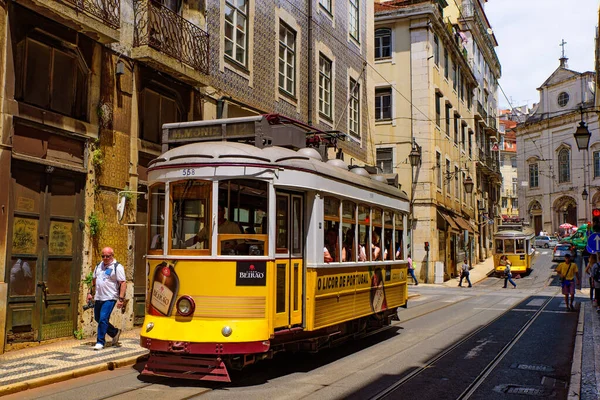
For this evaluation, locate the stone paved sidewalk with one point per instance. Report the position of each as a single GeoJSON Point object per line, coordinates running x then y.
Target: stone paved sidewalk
{"type": "Point", "coordinates": [37, 366]}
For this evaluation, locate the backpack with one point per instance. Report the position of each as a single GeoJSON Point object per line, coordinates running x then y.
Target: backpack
{"type": "Point", "coordinates": [597, 272]}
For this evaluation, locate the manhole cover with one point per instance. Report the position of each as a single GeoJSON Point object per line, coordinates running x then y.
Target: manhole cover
{"type": "Point", "coordinates": [530, 367]}
{"type": "Point", "coordinates": [528, 391]}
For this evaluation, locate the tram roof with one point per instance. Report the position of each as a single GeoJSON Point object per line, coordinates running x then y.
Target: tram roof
{"type": "Point", "coordinates": [225, 153]}
{"type": "Point", "coordinates": [512, 234]}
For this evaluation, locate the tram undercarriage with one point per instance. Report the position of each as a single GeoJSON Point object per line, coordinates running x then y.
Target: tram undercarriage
{"type": "Point", "coordinates": [194, 360]}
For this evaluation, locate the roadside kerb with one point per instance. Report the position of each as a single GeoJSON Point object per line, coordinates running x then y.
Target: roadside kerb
{"type": "Point", "coordinates": [575, 383]}
{"type": "Point", "coordinates": [76, 373]}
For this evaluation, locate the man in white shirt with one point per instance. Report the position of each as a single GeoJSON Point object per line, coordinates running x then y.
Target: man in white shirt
{"type": "Point", "coordinates": [109, 283]}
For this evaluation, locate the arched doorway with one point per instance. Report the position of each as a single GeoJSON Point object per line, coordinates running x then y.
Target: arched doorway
{"type": "Point", "coordinates": [565, 209]}
{"type": "Point", "coordinates": [535, 216]}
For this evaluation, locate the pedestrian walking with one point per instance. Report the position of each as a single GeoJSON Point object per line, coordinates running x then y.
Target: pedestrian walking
{"type": "Point", "coordinates": [411, 269]}
{"type": "Point", "coordinates": [508, 276]}
{"type": "Point", "coordinates": [595, 279]}
{"type": "Point", "coordinates": [593, 259]}
{"type": "Point", "coordinates": [464, 273]}
{"type": "Point", "coordinates": [568, 272]}
{"type": "Point", "coordinates": [108, 289]}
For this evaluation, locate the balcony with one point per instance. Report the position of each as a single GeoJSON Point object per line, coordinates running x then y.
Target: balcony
{"type": "Point", "coordinates": [100, 19]}
{"type": "Point", "coordinates": [481, 111]}
{"type": "Point", "coordinates": [160, 31]}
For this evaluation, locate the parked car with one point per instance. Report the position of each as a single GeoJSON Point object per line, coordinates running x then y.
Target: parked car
{"type": "Point", "coordinates": [561, 249]}
{"type": "Point", "coordinates": [545, 241]}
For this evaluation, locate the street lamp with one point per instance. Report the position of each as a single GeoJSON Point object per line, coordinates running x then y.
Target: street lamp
{"type": "Point", "coordinates": [584, 194]}
{"type": "Point", "coordinates": [468, 184]}
{"type": "Point", "coordinates": [415, 155]}
{"type": "Point", "coordinates": [582, 134]}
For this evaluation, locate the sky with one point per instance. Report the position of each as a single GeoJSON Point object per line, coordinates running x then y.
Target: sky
{"type": "Point", "coordinates": [529, 33]}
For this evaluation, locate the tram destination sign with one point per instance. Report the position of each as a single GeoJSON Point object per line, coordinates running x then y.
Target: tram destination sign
{"type": "Point", "coordinates": [203, 132]}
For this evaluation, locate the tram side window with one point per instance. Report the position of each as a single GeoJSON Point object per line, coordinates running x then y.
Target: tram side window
{"type": "Point", "coordinates": [331, 221]}
{"type": "Point", "coordinates": [190, 228]}
{"type": "Point", "coordinates": [499, 246]}
{"type": "Point", "coordinates": [282, 229]}
{"type": "Point", "coordinates": [509, 246]}
{"type": "Point", "coordinates": [157, 218]}
{"type": "Point", "coordinates": [399, 229]}
{"type": "Point", "coordinates": [242, 217]}
{"type": "Point", "coordinates": [364, 237]}
{"type": "Point", "coordinates": [520, 246]}
{"type": "Point", "coordinates": [349, 231]}
{"type": "Point", "coordinates": [377, 248]}
{"type": "Point", "coordinates": [388, 248]}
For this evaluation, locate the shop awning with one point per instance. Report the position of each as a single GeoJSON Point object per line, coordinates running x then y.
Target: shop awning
{"type": "Point", "coordinates": [464, 225]}
{"type": "Point", "coordinates": [449, 220]}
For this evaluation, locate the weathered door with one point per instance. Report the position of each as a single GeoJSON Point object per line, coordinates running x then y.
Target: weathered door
{"type": "Point", "coordinates": [45, 252]}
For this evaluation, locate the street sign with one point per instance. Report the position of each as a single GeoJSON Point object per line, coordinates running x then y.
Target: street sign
{"type": "Point", "coordinates": [593, 243]}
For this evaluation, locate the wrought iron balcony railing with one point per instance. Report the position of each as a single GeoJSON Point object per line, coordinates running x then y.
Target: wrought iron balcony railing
{"type": "Point", "coordinates": [158, 27]}
{"type": "Point", "coordinates": [108, 11]}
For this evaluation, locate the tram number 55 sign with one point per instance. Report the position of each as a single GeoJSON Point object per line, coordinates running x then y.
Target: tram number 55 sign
{"type": "Point", "coordinates": [593, 243]}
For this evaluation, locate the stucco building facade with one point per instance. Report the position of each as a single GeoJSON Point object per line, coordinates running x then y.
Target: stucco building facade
{"type": "Point", "coordinates": [551, 169]}
{"type": "Point", "coordinates": [435, 92]}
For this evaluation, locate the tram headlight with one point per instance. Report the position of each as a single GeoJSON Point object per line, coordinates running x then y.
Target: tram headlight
{"type": "Point", "coordinates": [226, 331]}
{"type": "Point", "coordinates": [185, 306]}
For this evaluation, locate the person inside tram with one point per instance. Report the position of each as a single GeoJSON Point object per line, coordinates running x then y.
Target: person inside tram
{"type": "Point", "coordinates": [348, 246]}
{"type": "Point", "coordinates": [330, 252]}
{"type": "Point", "coordinates": [225, 227]}
{"type": "Point", "coordinates": [376, 247]}
{"type": "Point", "coordinates": [504, 260]}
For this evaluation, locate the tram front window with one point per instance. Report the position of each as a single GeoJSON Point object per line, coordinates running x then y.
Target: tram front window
{"type": "Point", "coordinates": [509, 246]}
{"type": "Point", "coordinates": [499, 246]}
{"type": "Point", "coordinates": [243, 208]}
{"type": "Point", "coordinates": [520, 246]}
{"type": "Point", "coordinates": [190, 211]}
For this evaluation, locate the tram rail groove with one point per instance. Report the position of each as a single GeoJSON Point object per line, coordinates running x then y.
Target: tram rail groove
{"type": "Point", "coordinates": [487, 370]}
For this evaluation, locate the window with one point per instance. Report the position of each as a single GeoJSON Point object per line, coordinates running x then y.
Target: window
{"type": "Point", "coordinates": [463, 136]}
{"type": "Point", "coordinates": [354, 109]}
{"type": "Point", "coordinates": [436, 50]}
{"type": "Point", "coordinates": [515, 202]}
{"type": "Point", "coordinates": [564, 166]}
{"type": "Point", "coordinates": [326, 4]}
{"type": "Point", "coordinates": [514, 188]}
{"type": "Point", "coordinates": [502, 160]}
{"type": "Point", "coordinates": [456, 120]}
{"type": "Point", "coordinates": [383, 104]}
{"type": "Point", "coordinates": [158, 109]}
{"type": "Point", "coordinates": [385, 160]}
{"type": "Point", "coordinates": [563, 99]}
{"type": "Point", "coordinates": [438, 167]}
{"type": "Point", "coordinates": [533, 175]}
{"type": "Point", "coordinates": [242, 218]}
{"type": "Point", "coordinates": [448, 177]}
{"type": "Point", "coordinates": [456, 185]}
{"type": "Point", "coordinates": [438, 106]}
{"type": "Point", "coordinates": [349, 248]}
{"type": "Point", "coordinates": [190, 213]}
{"type": "Point", "coordinates": [454, 78]}
{"type": "Point", "coordinates": [446, 65]}
{"type": "Point", "coordinates": [470, 144]}
{"type": "Point", "coordinates": [383, 43]}
{"type": "Point", "coordinates": [51, 78]}
{"type": "Point", "coordinates": [513, 162]}
{"type": "Point", "coordinates": [448, 108]}
{"type": "Point", "coordinates": [332, 223]}
{"type": "Point", "coordinates": [464, 192]}
{"type": "Point", "coordinates": [325, 86]}
{"type": "Point", "coordinates": [469, 95]}
{"type": "Point", "coordinates": [236, 28]}
{"type": "Point", "coordinates": [504, 202]}
{"type": "Point", "coordinates": [287, 59]}
{"type": "Point", "coordinates": [596, 164]}
{"type": "Point", "coordinates": [157, 218]}
{"type": "Point", "coordinates": [353, 18]}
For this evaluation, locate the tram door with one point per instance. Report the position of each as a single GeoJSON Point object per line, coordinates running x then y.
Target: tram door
{"type": "Point", "coordinates": [288, 262]}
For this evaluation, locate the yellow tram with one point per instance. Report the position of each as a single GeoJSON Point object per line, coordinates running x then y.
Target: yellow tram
{"type": "Point", "coordinates": [238, 240]}
{"type": "Point", "coordinates": [514, 247]}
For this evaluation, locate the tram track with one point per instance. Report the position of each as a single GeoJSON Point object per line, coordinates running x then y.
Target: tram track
{"type": "Point", "coordinates": [480, 379]}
